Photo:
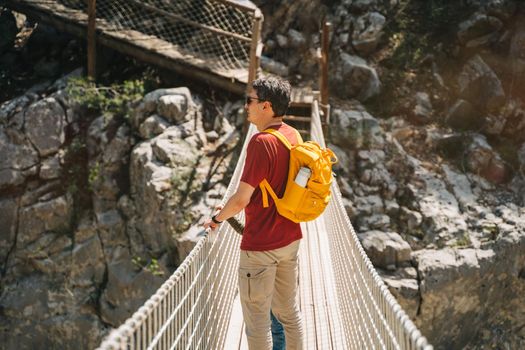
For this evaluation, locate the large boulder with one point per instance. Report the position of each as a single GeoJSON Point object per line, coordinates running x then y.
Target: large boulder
{"type": "Point", "coordinates": [368, 31]}
{"type": "Point", "coordinates": [478, 29]}
{"type": "Point", "coordinates": [354, 129]}
{"type": "Point", "coordinates": [19, 158]}
{"type": "Point", "coordinates": [483, 160]}
{"type": "Point", "coordinates": [354, 78]}
{"type": "Point", "coordinates": [464, 287]}
{"type": "Point", "coordinates": [128, 285]}
{"type": "Point", "coordinates": [479, 85]}
{"type": "Point", "coordinates": [463, 116]}
{"type": "Point", "coordinates": [175, 104]}
{"type": "Point", "coordinates": [45, 122]}
{"type": "Point", "coordinates": [385, 249]}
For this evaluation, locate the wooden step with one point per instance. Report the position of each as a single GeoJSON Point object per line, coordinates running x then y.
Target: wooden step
{"type": "Point", "coordinates": [295, 118]}
{"type": "Point", "coordinates": [304, 132]}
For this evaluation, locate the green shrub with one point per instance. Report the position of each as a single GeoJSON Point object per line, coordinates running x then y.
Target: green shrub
{"type": "Point", "coordinates": [111, 100]}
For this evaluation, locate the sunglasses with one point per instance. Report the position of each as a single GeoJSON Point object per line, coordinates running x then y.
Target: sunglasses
{"type": "Point", "coordinates": [250, 98]}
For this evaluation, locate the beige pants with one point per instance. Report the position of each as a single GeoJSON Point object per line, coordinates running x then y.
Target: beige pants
{"type": "Point", "coordinates": [268, 279]}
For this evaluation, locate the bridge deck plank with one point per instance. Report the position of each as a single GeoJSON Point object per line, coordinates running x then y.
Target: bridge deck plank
{"type": "Point", "coordinates": [317, 296]}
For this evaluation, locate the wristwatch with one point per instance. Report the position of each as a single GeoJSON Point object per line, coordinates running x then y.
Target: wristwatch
{"type": "Point", "coordinates": [215, 220]}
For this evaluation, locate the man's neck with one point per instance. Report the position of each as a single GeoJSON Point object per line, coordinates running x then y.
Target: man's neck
{"type": "Point", "coordinates": [274, 122]}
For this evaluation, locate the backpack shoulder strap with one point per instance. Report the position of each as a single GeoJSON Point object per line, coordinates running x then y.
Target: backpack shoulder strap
{"type": "Point", "coordinates": [280, 136]}
{"type": "Point", "coordinates": [299, 137]}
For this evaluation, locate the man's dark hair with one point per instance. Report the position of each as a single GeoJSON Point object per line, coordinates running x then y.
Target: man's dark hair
{"type": "Point", "coordinates": [276, 91]}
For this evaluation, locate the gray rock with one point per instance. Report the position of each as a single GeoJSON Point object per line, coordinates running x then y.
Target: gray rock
{"type": "Point", "coordinates": [296, 39]}
{"type": "Point", "coordinates": [117, 150]}
{"type": "Point", "coordinates": [494, 124]}
{"type": "Point", "coordinates": [463, 286]}
{"type": "Point", "coordinates": [149, 103]}
{"type": "Point", "coordinates": [442, 217]}
{"type": "Point", "coordinates": [128, 287]}
{"type": "Point", "coordinates": [8, 223]}
{"type": "Point", "coordinates": [385, 249]}
{"type": "Point", "coordinates": [19, 157]}
{"type": "Point", "coordinates": [11, 111]}
{"type": "Point", "coordinates": [502, 9]}
{"type": "Point", "coordinates": [355, 130]}
{"type": "Point", "coordinates": [479, 85]}
{"type": "Point", "coordinates": [463, 116]}
{"type": "Point", "coordinates": [153, 126]}
{"type": "Point", "coordinates": [517, 51]}
{"type": "Point", "coordinates": [174, 108]}
{"type": "Point", "coordinates": [44, 124]}
{"type": "Point", "coordinates": [88, 262]}
{"type": "Point", "coordinates": [368, 32]}
{"type": "Point", "coordinates": [403, 285]}
{"type": "Point", "coordinates": [362, 5]}
{"type": "Point", "coordinates": [373, 222]}
{"type": "Point", "coordinates": [282, 40]}
{"type": "Point", "coordinates": [478, 25]}
{"type": "Point", "coordinates": [353, 78]}
{"type": "Point", "coordinates": [422, 111]}
{"type": "Point", "coordinates": [274, 67]}
{"type": "Point", "coordinates": [50, 168]}
{"type": "Point", "coordinates": [369, 205]}
{"type": "Point", "coordinates": [212, 136]}
{"type": "Point", "coordinates": [412, 220]}
{"type": "Point", "coordinates": [345, 160]}
{"type": "Point", "coordinates": [483, 160]}
{"type": "Point", "coordinates": [54, 215]}
{"type": "Point", "coordinates": [178, 152]}
{"type": "Point", "coordinates": [461, 188]}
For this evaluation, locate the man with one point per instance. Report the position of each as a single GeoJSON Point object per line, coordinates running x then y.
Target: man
{"type": "Point", "coordinates": [268, 269]}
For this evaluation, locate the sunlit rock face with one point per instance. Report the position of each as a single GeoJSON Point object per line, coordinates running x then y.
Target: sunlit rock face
{"type": "Point", "coordinates": [97, 211]}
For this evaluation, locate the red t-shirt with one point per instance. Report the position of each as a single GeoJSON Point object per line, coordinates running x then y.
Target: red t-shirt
{"type": "Point", "coordinates": [268, 158]}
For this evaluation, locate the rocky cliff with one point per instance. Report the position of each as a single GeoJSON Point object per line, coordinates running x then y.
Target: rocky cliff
{"type": "Point", "coordinates": [428, 121]}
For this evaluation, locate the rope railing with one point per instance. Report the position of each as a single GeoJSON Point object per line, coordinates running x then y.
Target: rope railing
{"type": "Point", "coordinates": [219, 32]}
{"type": "Point", "coordinates": [372, 318]}
{"type": "Point", "coordinates": [192, 309]}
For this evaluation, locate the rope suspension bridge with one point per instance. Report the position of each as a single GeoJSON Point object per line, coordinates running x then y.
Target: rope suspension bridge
{"type": "Point", "coordinates": [344, 302]}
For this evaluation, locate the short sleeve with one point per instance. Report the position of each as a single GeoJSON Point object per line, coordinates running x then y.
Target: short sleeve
{"type": "Point", "coordinates": [257, 164]}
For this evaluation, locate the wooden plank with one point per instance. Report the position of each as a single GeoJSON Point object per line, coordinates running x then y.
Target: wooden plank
{"type": "Point", "coordinates": [235, 331]}
{"type": "Point", "coordinates": [295, 118]}
{"type": "Point", "coordinates": [305, 290]}
{"type": "Point", "coordinates": [322, 332]}
{"type": "Point", "coordinates": [334, 325]}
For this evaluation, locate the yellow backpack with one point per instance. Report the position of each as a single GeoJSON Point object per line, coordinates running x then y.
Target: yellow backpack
{"type": "Point", "coordinates": [298, 203]}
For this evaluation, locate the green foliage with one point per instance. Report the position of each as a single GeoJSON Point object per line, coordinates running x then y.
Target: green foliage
{"type": "Point", "coordinates": [463, 241]}
{"type": "Point", "coordinates": [111, 101]}
{"type": "Point", "coordinates": [94, 174]}
{"type": "Point", "coordinates": [151, 266]}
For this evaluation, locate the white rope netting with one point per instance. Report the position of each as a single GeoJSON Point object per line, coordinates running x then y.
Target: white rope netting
{"type": "Point", "coordinates": [217, 31]}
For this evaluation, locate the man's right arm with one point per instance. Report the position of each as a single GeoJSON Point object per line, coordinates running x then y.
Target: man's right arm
{"type": "Point", "coordinates": [234, 205]}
